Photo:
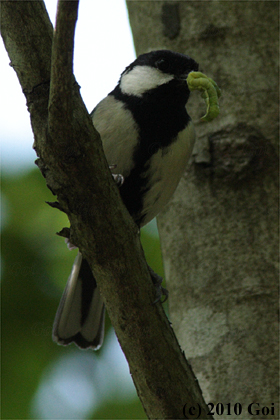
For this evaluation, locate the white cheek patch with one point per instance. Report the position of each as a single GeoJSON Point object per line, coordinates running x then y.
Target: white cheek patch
{"type": "Point", "coordinates": [141, 79]}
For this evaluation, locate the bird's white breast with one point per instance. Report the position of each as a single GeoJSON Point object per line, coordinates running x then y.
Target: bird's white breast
{"type": "Point", "coordinates": [165, 171]}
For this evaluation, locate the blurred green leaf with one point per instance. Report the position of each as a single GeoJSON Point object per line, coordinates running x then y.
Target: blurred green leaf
{"type": "Point", "coordinates": [35, 267]}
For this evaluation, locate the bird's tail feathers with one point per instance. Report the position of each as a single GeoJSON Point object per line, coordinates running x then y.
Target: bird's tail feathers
{"type": "Point", "coordinates": [81, 312]}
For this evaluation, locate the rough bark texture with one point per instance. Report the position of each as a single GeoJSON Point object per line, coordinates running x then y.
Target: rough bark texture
{"type": "Point", "coordinates": [72, 161]}
{"type": "Point", "coordinates": [219, 235]}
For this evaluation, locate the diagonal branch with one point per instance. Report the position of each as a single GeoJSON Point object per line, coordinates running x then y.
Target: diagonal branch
{"type": "Point", "coordinates": [62, 80]}
{"type": "Point", "coordinates": [72, 161]}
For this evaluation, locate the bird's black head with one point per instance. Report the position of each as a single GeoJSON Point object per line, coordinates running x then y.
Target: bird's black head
{"type": "Point", "coordinates": [166, 61]}
{"type": "Point", "coordinates": [154, 69]}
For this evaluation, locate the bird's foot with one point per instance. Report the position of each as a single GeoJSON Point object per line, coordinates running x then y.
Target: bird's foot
{"type": "Point", "coordinates": [160, 291]}
{"type": "Point", "coordinates": [69, 245]}
{"type": "Point", "coordinates": [118, 178]}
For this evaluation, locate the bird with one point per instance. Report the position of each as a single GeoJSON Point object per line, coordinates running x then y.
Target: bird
{"type": "Point", "coordinates": [147, 137]}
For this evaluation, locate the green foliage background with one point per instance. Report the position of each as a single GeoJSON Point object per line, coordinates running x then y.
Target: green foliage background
{"type": "Point", "coordinates": [35, 267]}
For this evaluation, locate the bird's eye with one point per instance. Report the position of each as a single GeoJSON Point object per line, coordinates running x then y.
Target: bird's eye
{"type": "Point", "coordinates": [162, 64]}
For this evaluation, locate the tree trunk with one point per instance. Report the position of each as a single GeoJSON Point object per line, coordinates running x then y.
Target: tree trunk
{"type": "Point", "coordinates": [219, 234]}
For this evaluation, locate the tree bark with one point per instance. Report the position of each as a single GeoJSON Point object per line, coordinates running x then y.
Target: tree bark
{"type": "Point", "coordinates": [219, 233]}
{"type": "Point", "coordinates": [72, 161]}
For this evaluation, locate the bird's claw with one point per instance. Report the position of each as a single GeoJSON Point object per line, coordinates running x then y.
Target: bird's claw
{"type": "Point", "coordinates": [69, 245]}
{"type": "Point", "coordinates": [118, 178]}
{"type": "Point", "coordinates": [160, 291]}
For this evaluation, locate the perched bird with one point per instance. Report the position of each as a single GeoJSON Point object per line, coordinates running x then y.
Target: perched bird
{"type": "Point", "coordinates": [147, 137]}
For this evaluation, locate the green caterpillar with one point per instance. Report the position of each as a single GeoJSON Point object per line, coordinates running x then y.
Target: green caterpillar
{"type": "Point", "coordinates": [210, 93]}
